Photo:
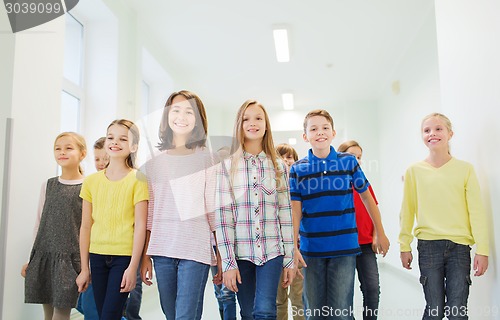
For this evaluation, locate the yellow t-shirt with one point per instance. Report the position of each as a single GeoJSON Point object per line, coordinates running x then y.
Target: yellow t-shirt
{"type": "Point", "coordinates": [113, 204]}
{"type": "Point", "coordinates": [446, 204]}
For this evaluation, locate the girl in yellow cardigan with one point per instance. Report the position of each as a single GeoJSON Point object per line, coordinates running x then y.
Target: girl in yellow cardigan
{"type": "Point", "coordinates": [442, 194]}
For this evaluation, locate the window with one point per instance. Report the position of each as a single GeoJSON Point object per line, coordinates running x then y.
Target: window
{"type": "Point", "coordinates": [70, 112]}
{"type": "Point", "coordinates": [73, 48]}
{"type": "Point", "coordinates": [72, 90]}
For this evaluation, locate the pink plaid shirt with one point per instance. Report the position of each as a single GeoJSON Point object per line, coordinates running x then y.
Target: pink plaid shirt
{"type": "Point", "coordinates": [253, 216]}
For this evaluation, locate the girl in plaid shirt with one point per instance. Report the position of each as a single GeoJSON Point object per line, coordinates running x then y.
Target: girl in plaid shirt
{"type": "Point", "coordinates": [253, 216]}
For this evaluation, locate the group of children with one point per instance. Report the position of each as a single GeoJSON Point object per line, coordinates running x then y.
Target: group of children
{"type": "Point", "coordinates": [274, 220]}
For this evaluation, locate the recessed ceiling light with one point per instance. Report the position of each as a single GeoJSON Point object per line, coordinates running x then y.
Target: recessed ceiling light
{"type": "Point", "coordinates": [281, 45]}
{"type": "Point", "coordinates": [287, 99]}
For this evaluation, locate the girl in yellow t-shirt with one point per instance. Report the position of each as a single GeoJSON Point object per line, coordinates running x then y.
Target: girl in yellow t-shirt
{"type": "Point", "coordinates": [113, 222]}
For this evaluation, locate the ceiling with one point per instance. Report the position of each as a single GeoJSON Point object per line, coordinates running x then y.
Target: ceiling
{"type": "Point", "coordinates": [340, 49]}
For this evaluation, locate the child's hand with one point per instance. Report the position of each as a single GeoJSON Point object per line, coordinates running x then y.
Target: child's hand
{"type": "Point", "coordinates": [217, 280]}
{"type": "Point", "coordinates": [146, 270]}
{"type": "Point", "coordinates": [83, 280]}
{"type": "Point", "coordinates": [382, 244]}
{"type": "Point", "coordinates": [231, 278]}
{"type": "Point", "coordinates": [23, 270]}
{"type": "Point", "coordinates": [406, 259]}
{"type": "Point", "coordinates": [480, 265]}
{"type": "Point", "coordinates": [129, 280]}
{"type": "Point", "coordinates": [288, 276]}
{"type": "Point", "coordinates": [298, 260]}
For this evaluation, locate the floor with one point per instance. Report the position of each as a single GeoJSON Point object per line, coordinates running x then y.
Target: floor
{"type": "Point", "coordinates": [401, 298]}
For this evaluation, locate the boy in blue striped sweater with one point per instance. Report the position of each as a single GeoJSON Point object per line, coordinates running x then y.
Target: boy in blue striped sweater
{"type": "Point", "coordinates": [321, 189]}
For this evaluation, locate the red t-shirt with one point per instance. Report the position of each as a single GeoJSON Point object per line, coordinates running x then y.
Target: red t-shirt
{"type": "Point", "coordinates": [363, 220]}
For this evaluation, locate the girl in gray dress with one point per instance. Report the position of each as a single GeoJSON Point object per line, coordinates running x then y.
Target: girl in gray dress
{"type": "Point", "coordinates": [55, 258]}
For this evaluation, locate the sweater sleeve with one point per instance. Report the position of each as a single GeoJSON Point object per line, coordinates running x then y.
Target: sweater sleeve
{"type": "Point", "coordinates": [408, 211]}
{"type": "Point", "coordinates": [285, 219]}
{"type": "Point", "coordinates": [224, 217]}
{"type": "Point", "coordinates": [477, 215]}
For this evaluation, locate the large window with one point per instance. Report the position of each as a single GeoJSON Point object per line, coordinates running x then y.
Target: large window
{"type": "Point", "coordinates": [72, 90]}
{"type": "Point", "coordinates": [70, 112]}
{"type": "Point", "coordinates": [73, 48]}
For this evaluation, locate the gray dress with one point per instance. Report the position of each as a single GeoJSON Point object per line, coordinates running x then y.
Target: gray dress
{"type": "Point", "coordinates": [55, 258]}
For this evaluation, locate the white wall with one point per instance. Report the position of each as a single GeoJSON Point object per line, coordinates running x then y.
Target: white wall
{"type": "Point", "coordinates": [469, 65]}
{"type": "Point", "coordinates": [7, 40]}
{"type": "Point", "coordinates": [36, 94]}
{"type": "Point", "coordinates": [399, 125]}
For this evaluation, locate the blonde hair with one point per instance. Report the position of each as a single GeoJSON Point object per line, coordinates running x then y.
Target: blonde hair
{"type": "Point", "coordinates": [130, 161]}
{"type": "Point", "coordinates": [318, 112]}
{"type": "Point", "coordinates": [442, 117]}
{"type": "Point", "coordinates": [79, 141]}
{"type": "Point", "coordinates": [267, 140]}
{"type": "Point", "coordinates": [99, 143]}
{"type": "Point", "coordinates": [284, 148]}
{"type": "Point", "coordinates": [346, 145]}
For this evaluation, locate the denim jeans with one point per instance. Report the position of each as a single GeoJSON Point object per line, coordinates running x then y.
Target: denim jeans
{"type": "Point", "coordinates": [181, 285]}
{"type": "Point", "coordinates": [366, 265]}
{"type": "Point", "coordinates": [86, 304]}
{"type": "Point", "coordinates": [258, 288]}
{"type": "Point", "coordinates": [225, 298]}
{"type": "Point", "coordinates": [329, 287]}
{"type": "Point", "coordinates": [134, 300]}
{"type": "Point", "coordinates": [445, 277]}
{"type": "Point", "coordinates": [107, 273]}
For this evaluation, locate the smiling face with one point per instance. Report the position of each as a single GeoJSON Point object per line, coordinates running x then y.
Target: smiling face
{"type": "Point", "coordinates": [119, 142]}
{"type": "Point", "coordinates": [436, 134]}
{"type": "Point", "coordinates": [181, 116]}
{"type": "Point", "coordinates": [254, 123]}
{"type": "Point", "coordinates": [101, 159]}
{"type": "Point", "coordinates": [67, 153]}
{"type": "Point", "coordinates": [319, 133]}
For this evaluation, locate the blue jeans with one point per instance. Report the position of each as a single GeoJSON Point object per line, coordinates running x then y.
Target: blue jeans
{"type": "Point", "coordinates": [107, 273]}
{"type": "Point", "coordinates": [366, 265]}
{"type": "Point", "coordinates": [329, 287]}
{"type": "Point", "coordinates": [258, 289]}
{"type": "Point", "coordinates": [181, 285]}
{"type": "Point", "coordinates": [225, 298]}
{"type": "Point", "coordinates": [134, 300]}
{"type": "Point", "coordinates": [445, 277]}
{"type": "Point", "coordinates": [86, 304]}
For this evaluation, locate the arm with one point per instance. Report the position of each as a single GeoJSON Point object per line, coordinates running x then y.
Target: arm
{"type": "Point", "coordinates": [478, 222]}
{"type": "Point", "coordinates": [371, 207]}
{"type": "Point", "coordinates": [146, 264]}
{"type": "Point", "coordinates": [287, 233]}
{"type": "Point", "coordinates": [297, 217]}
{"type": "Point", "coordinates": [406, 220]}
{"type": "Point", "coordinates": [83, 279]}
{"type": "Point", "coordinates": [225, 229]}
{"type": "Point", "coordinates": [41, 203]}
{"type": "Point", "coordinates": [130, 275]}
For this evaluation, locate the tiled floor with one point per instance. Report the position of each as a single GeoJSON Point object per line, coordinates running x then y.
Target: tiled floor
{"type": "Point", "coordinates": [401, 298]}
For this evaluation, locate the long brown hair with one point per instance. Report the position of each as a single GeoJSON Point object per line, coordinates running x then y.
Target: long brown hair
{"type": "Point", "coordinates": [267, 141]}
{"type": "Point", "coordinates": [130, 161]}
{"type": "Point", "coordinates": [198, 136]}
